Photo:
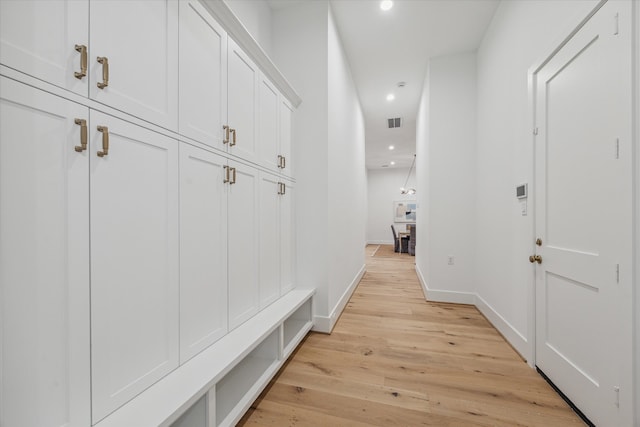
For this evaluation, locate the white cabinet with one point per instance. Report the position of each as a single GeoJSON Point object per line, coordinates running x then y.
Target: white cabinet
{"type": "Point", "coordinates": [275, 115]}
{"type": "Point", "coordinates": [138, 40]}
{"type": "Point", "coordinates": [285, 136]}
{"type": "Point", "coordinates": [203, 249]}
{"type": "Point", "coordinates": [134, 260]}
{"type": "Point", "coordinates": [242, 95]}
{"type": "Point", "coordinates": [44, 260]}
{"type": "Point", "coordinates": [203, 75]}
{"type": "Point", "coordinates": [39, 38]}
{"type": "Point", "coordinates": [242, 244]}
{"type": "Point", "coordinates": [276, 238]}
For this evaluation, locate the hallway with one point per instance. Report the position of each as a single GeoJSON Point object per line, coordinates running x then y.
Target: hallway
{"type": "Point", "coordinates": [394, 359]}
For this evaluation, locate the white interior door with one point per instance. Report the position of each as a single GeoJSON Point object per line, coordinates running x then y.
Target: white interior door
{"type": "Point", "coordinates": [203, 75]}
{"type": "Point", "coordinates": [44, 261]}
{"type": "Point", "coordinates": [583, 217]}
{"type": "Point", "coordinates": [39, 38]}
{"type": "Point", "coordinates": [134, 261]}
{"type": "Point", "coordinates": [203, 250]}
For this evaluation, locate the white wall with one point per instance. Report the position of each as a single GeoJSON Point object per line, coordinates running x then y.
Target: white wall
{"type": "Point", "coordinates": [520, 34]}
{"type": "Point", "coordinates": [255, 15]}
{"type": "Point", "coordinates": [446, 132]}
{"type": "Point", "coordinates": [329, 156]}
{"type": "Point", "coordinates": [383, 188]}
{"type": "Point", "coordinates": [636, 354]}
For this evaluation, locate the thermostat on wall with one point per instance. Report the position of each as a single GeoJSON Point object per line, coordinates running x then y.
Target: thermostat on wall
{"type": "Point", "coordinates": [521, 191]}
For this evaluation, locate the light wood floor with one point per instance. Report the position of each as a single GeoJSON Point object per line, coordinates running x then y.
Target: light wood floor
{"type": "Point", "coordinates": [394, 359]}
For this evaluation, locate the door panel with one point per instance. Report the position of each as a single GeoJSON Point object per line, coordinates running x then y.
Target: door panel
{"type": "Point", "coordinates": [134, 261]}
{"type": "Point", "coordinates": [583, 217]}
{"type": "Point", "coordinates": [242, 90]}
{"type": "Point", "coordinates": [44, 261]}
{"type": "Point", "coordinates": [269, 147]}
{"type": "Point", "coordinates": [203, 75]}
{"type": "Point", "coordinates": [287, 238]}
{"type": "Point", "coordinates": [269, 239]}
{"type": "Point", "coordinates": [38, 38]}
{"type": "Point", "coordinates": [203, 250]}
{"type": "Point", "coordinates": [243, 226]}
{"type": "Point", "coordinates": [140, 40]}
{"type": "Point", "coordinates": [286, 132]}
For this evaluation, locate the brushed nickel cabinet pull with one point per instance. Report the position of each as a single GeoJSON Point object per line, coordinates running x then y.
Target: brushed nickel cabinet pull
{"type": "Point", "coordinates": [226, 174]}
{"type": "Point", "coordinates": [105, 141]}
{"type": "Point", "coordinates": [233, 140]}
{"type": "Point", "coordinates": [279, 161]}
{"type": "Point", "coordinates": [83, 61]}
{"type": "Point", "coordinates": [83, 135]}
{"type": "Point", "coordinates": [279, 188]}
{"type": "Point", "coordinates": [226, 134]}
{"type": "Point", "coordinates": [284, 189]}
{"type": "Point", "coordinates": [233, 173]}
{"type": "Point", "coordinates": [284, 162]}
{"type": "Point", "coordinates": [105, 72]}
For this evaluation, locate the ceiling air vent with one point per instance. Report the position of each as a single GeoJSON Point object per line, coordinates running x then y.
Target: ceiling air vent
{"type": "Point", "coordinates": [394, 123]}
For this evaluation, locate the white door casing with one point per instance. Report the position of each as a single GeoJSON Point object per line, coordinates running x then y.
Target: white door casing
{"type": "Point", "coordinates": [583, 199]}
{"type": "Point", "coordinates": [44, 260]}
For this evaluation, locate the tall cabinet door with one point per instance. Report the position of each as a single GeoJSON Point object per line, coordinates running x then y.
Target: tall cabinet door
{"type": "Point", "coordinates": [287, 238]}
{"type": "Point", "coordinates": [268, 119]}
{"type": "Point", "coordinates": [44, 261]}
{"type": "Point", "coordinates": [203, 75]}
{"type": "Point", "coordinates": [139, 39]}
{"type": "Point", "coordinates": [243, 243]}
{"type": "Point", "coordinates": [270, 189]}
{"type": "Point", "coordinates": [39, 38]}
{"type": "Point", "coordinates": [286, 136]}
{"type": "Point", "coordinates": [203, 250]}
{"type": "Point", "coordinates": [242, 87]}
{"type": "Point", "coordinates": [134, 260]}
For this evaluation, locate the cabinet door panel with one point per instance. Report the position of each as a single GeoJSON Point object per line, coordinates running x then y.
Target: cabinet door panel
{"type": "Point", "coordinates": [140, 40]}
{"type": "Point", "coordinates": [203, 75]}
{"type": "Point", "coordinates": [287, 239]}
{"type": "Point", "coordinates": [269, 240]}
{"type": "Point", "coordinates": [38, 38]}
{"type": "Point", "coordinates": [203, 250]}
{"type": "Point", "coordinates": [242, 78]}
{"type": "Point", "coordinates": [243, 245]}
{"type": "Point", "coordinates": [286, 132]}
{"type": "Point", "coordinates": [44, 261]}
{"type": "Point", "coordinates": [268, 119]}
{"type": "Point", "coordinates": [134, 261]}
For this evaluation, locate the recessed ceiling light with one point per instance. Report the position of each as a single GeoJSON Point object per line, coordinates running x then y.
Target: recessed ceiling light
{"type": "Point", "coordinates": [392, 163]}
{"type": "Point", "coordinates": [391, 147]}
{"type": "Point", "coordinates": [391, 97]}
{"type": "Point", "coordinates": [386, 5]}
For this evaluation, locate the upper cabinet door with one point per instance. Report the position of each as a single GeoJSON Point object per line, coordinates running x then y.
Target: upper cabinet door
{"type": "Point", "coordinates": [203, 75]}
{"type": "Point", "coordinates": [268, 119]}
{"type": "Point", "coordinates": [39, 38]}
{"type": "Point", "coordinates": [44, 260]}
{"type": "Point", "coordinates": [286, 132]}
{"type": "Point", "coordinates": [134, 58]}
{"type": "Point", "coordinates": [242, 78]}
{"type": "Point", "coordinates": [134, 260]}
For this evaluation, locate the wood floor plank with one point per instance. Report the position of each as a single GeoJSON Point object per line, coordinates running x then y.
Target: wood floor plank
{"type": "Point", "coordinates": [395, 359]}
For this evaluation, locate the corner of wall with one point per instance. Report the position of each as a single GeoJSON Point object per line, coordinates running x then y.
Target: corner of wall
{"type": "Point", "coordinates": [325, 324]}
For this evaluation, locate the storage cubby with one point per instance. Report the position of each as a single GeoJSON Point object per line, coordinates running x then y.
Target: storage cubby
{"type": "Point", "coordinates": [238, 388]}
{"type": "Point", "coordinates": [295, 327]}
{"type": "Point", "coordinates": [196, 416]}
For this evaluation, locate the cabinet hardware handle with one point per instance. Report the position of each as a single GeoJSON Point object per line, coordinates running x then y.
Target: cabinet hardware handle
{"type": "Point", "coordinates": [279, 161]}
{"type": "Point", "coordinates": [284, 162]}
{"type": "Point", "coordinates": [284, 188]}
{"type": "Point", "coordinates": [233, 140]}
{"type": "Point", "coordinates": [83, 135]}
{"type": "Point", "coordinates": [233, 173]}
{"type": "Point", "coordinates": [226, 134]}
{"type": "Point", "coordinates": [226, 174]}
{"type": "Point", "coordinates": [105, 141]}
{"type": "Point", "coordinates": [105, 72]}
{"type": "Point", "coordinates": [279, 188]}
{"type": "Point", "coordinates": [83, 61]}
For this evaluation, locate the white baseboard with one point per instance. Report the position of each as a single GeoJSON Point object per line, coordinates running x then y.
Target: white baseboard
{"type": "Point", "coordinates": [379, 242]}
{"type": "Point", "coordinates": [325, 324]}
{"type": "Point", "coordinates": [437, 295]}
{"type": "Point", "coordinates": [511, 334]}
